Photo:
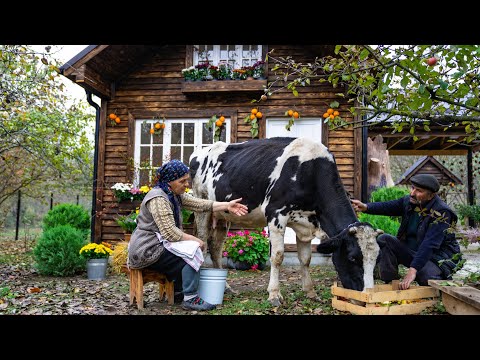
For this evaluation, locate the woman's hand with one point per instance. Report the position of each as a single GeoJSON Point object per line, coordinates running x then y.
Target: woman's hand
{"type": "Point", "coordinates": [202, 244]}
{"type": "Point", "coordinates": [236, 208]}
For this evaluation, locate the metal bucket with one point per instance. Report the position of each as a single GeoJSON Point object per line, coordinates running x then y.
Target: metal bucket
{"type": "Point", "coordinates": [97, 268]}
{"type": "Point", "coordinates": [212, 285]}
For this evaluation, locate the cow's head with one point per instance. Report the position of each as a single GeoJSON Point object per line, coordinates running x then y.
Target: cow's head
{"type": "Point", "coordinates": [355, 252]}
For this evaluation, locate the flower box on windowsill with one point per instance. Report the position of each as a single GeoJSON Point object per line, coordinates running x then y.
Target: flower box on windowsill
{"type": "Point", "coordinates": [223, 85]}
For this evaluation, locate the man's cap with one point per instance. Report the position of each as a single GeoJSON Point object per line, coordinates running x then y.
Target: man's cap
{"type": "Point", "coordinates": [426, 181]}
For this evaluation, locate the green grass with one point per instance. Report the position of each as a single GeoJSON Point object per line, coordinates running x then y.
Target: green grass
{"type": "Point", "coordinates": [295, 301]}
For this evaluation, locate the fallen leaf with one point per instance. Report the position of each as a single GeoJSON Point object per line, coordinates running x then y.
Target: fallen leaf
{"type": "Point", "coordinates": [32, 290]}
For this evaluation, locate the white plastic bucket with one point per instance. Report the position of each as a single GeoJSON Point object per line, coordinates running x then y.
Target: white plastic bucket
{"type": "Point", "coordinates": [212, 284]}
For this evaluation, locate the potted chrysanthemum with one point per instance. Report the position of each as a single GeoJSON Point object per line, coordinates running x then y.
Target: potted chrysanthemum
{"type": "Point", "coordinates": [97, 259]}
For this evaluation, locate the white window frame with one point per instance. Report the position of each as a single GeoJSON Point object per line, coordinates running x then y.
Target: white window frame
{"type": "Point", "coordinates": [317, 122]}
{"type": "Point", "coordinates": [167, 131]}
{"type": "Point", "coordinates": [239, 59]}
{"type": "Point", "coordinates": [290, 237]}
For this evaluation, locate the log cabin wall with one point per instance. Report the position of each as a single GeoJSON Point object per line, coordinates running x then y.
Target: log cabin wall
{"type": "Point", "coordinates": [154, 88]}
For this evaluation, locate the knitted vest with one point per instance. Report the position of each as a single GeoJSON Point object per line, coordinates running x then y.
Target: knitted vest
{"type": "Point", "coordinates": [144, 247]}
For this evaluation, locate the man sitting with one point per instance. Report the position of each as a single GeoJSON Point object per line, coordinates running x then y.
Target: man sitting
{"type": "Point", "coordinates": [422, 239]}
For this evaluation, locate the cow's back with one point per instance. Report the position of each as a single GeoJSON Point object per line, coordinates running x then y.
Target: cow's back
{"type": "Point", "coordinates": [252, 169]}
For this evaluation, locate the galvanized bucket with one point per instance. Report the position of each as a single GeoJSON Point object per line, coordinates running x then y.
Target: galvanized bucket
{"type": "Point", "coordinates": [212, 284]}
{"type": "Point", "coordinates": [97, 269]}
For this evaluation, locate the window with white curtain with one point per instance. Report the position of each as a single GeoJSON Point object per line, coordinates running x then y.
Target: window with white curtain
{"type": "Point", "coordinates": [178, 140]}
{"type": "Point", "coordinates": [234, 55]}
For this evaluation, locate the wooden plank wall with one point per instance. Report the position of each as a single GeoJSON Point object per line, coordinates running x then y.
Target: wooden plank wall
{"type": "Point", "coordinates": [154, 89]}
{"type": "Point", "coordinates": [314, 100]}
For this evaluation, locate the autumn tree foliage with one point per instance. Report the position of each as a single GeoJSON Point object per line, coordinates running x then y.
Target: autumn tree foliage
{"type": "Point", "coordinates": [43, 134]}
{"type": "Point", "coordinates": [405, 88]}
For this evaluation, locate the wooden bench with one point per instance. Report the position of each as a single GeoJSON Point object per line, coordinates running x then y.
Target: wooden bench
{"type": "Point", "coordinates": [139, 277]}
{"type": "Point", "coordinates": [458, 299]}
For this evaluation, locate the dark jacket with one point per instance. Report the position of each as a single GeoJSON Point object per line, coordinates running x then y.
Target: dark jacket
{"type": "Point", "coordinates": [435, 242]}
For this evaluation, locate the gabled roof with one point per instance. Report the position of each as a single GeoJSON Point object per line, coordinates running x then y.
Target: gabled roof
{"type": "Point", "coordinates": [97, 67]}
{"type": "Point", "coordinates": [429, 165]}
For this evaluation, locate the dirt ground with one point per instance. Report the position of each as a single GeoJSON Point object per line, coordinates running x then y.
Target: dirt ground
{"type": "Point", "coordinates": [24, 292]}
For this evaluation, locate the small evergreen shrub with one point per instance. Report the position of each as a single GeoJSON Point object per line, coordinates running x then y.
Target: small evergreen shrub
{"type": "Point", "coordinates": [57, 251]}
{"type": "Point", "coordinates": [68, 214]}
{"type": "Point", "coordinates": [389, 224]}
{"type": "Point", "coordinates": [388, 193]}
{"type": "Point", "coordinates": [470, 211]}
{"type": "Point", "coordinates": [386, 223]}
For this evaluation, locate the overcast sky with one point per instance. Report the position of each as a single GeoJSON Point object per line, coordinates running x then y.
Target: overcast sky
{"type": "Point", "coordinates": [63, 53]}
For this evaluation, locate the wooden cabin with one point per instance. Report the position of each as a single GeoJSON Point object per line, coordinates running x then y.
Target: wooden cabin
{"type": "Point", "coordinates": [143, 85]}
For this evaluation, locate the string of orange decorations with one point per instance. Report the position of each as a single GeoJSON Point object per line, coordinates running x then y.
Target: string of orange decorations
{"type": "Point", "coordinates": [333, 118]}
{"type": "Point", "coordinates": [157, 127]}
{"type": "Point", "coordinates": [218, 122]}
{"type": "Point", "coordinates": [293, 115]}
{"type": "Point", "coordinates": [252, 119]}
{"type": "Point", "coordinates": [114, 119]}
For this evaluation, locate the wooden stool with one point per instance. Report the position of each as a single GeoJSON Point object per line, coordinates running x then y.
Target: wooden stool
{"type": "Point", "coordinates": [138, 277]}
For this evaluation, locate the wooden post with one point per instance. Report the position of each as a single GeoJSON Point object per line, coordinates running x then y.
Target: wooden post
{"type": "Point", "coordinates": [17, 224]}
{"type": "Point", "coordinates": [470, 187]}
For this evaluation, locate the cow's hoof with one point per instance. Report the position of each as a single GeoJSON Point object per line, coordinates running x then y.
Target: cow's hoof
{"type": "Point", "coordinates": [229, 290]}
{"type": "Point", "coordinates": [311, 294]}
{"type": "Point", "coordinates": [275, 302]}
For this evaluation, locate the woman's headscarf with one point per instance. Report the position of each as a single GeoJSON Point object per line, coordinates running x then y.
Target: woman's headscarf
{"type": "Point", "coordinates": [171, 171]}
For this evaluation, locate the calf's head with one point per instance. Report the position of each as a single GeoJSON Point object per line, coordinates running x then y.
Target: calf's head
{"type": "Point", "coordinates": [354, 254]}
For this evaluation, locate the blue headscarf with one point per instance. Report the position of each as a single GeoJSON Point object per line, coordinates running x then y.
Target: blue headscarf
{"type": "Point", "coordinates": [171, 171]}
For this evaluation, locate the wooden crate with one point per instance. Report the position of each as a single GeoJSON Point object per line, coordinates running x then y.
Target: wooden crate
{"type": "Point", "coordinates": [417, 298]}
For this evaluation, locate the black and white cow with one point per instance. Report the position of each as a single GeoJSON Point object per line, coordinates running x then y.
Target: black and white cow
{"type": "Point", "coordinates": [284, 182]}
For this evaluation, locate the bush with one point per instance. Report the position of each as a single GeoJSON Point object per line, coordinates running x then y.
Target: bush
{"type": "Point", "coordinates": [388, 193]}
{"type": "Point", "coordinates": [470, 211]}
{"type": "Point", "coordinates": [386, 223]}
{"type": "Point", "coordinates": [389, 224]}
{"type": "Point", "coordinates": [57, 251]}
{"type": "Point", "coordinates": [68, 214]}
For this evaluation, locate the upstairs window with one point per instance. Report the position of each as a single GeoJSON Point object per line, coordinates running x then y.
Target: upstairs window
{"type": "Point", "coordinates": [234, 55]}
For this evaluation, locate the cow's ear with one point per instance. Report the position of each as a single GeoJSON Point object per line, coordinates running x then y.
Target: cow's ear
{"type": "Point", "coordinates": [352, 230]}
{"type": "Point", "coordinates": [329, 246]}
{"type": "Point", "coordinates": [381, 241]}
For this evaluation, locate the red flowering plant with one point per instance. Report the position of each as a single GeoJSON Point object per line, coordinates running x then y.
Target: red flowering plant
{"type": "Point", "coordinates": [202, 70]}
{"type": "Point", "coordinates": [252, 247]}
{"type": "Point", "coordinates": [248, 70]}
{"type": "Point", "coordinates": [213, 72]}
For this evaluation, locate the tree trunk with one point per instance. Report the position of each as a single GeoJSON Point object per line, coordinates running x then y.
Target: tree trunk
{"type": "Point", "coordinates": [379, 174]}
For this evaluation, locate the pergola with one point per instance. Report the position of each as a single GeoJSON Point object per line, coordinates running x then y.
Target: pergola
{"type": "Point", "coordinates": [441, 140]}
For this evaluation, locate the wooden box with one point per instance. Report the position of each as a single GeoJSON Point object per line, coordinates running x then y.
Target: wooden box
{"type": "Point", "coordinates": [384, 299]}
